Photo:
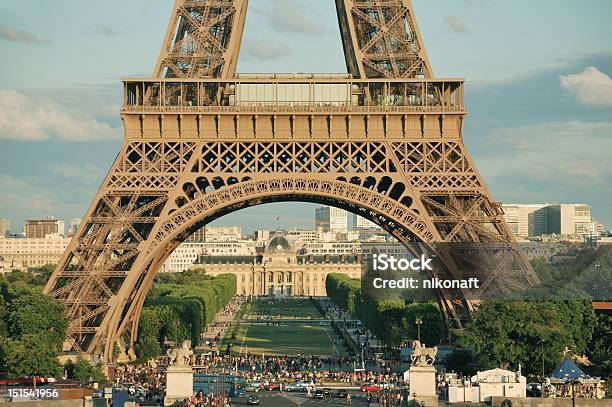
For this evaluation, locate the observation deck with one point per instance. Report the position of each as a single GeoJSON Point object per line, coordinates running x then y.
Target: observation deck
{"type": "Point", "coordinates": [289, 106]}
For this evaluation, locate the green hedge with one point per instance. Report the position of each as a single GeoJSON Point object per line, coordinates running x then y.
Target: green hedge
{"type": "Point", "coordinates": [180, 307]}
{"type": "Point", "coordinates": [392, 321]}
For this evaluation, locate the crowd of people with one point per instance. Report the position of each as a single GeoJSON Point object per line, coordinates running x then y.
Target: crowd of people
{"type": "Point", "coordinates": [281, 370]}
{"type": "Point", "coordinates": [207, 400]}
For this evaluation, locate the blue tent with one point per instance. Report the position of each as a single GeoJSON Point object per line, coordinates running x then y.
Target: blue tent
{"type": "Point", "coordinates": [567, 370]}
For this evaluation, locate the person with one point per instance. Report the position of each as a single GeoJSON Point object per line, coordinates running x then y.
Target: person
{"type": "Point", "coordinates": [348, 400]}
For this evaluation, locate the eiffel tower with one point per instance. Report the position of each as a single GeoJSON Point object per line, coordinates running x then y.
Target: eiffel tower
{"type": "Point", "coordinates": [384, 141]}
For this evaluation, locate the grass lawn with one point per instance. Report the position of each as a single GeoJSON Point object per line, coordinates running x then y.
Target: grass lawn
{"type": "Point", "coordinates": [288, 336]}
{"type": "Point", "coordinates": [288, 339]}
{"type": "Point", "coordinates": [286, 308]}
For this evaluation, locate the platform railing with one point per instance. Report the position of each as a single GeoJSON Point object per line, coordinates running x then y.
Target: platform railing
{"type": "Point", "coordinates": [297, 93]}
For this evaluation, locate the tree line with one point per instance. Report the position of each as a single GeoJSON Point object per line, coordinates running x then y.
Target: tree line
{"type": "Point", "coordinates": [179, 307]}
{"type": "Point", "coordinates": [545, 324]}
{"type": "Point", "coordinates": [33, 325]}
{"type": "Point", "coordinates": [392, 321]}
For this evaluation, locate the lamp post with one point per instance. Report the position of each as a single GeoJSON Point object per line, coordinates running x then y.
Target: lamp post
{"type": "Point", "coordinates": [419, 322]}
{"type": "Point", "coordinates": [542, 387]}
{"type": "Point", "coordinates": [542, 342]}
{"type": "Point", "coordinates": [574, 383]}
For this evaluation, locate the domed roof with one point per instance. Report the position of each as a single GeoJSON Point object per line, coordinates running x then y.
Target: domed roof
{"type": "Point", "coordinates": [278, 244]}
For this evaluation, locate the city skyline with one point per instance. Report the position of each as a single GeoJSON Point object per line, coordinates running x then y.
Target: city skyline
{"type": "Point", "coordinates": [539, 130]}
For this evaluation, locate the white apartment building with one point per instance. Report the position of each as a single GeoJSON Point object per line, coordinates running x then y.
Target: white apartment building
{"type": "Point", "coordinates": [303, 236]}
{"type": "Point", "coordinates": [360, 223]}
{"type": "Point", "coordinates": [238, 248]}
{"type": "Point", "coordinates": [517, 216]}
{"type": "Point", "coordinates": [184, 256]}
{"type": "Point", "coordinates": [331, 219]}
{"type": "Point", "coordinates": [570, 219]}
{"type": "Point", "coordinates": [19, 253]}
{"type": "Point", "coordinates": [529, 220]}
{"type": "Point", "coordinates": [354, 248]}
{"type": "Point", "coordinates": [223, 233]}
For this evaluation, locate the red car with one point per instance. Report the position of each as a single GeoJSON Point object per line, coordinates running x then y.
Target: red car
{"type": "Point", "coordinates": [273, 386]}
{"type": "Point", "coordinates": [369, 387]}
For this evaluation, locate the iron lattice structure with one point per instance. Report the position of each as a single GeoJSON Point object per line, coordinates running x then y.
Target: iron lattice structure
{"type": "Point", "coordinates": [384, 141]}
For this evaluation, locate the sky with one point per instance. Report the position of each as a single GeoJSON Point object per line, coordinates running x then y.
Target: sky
{"type": "Point", "coordinates": [539, 92]}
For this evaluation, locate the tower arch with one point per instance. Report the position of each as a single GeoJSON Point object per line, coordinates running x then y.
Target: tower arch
{"type": "Point", "coordinates": [384, 141]}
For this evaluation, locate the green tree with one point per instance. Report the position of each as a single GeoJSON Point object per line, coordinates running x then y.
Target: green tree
{"type": "Point", "coordinates": [179, 307]}
{"type": "Point", "coordinates": [433, 328]}
{"type": "Point", "coordinates": [599, 349]}
{"type": "Point", "coordinates": [38, 314]}
{"type": "Point", "coordinates": [31, 355]}
{"type": "Point", "coordinates": [511, 332]}
{"type": "Point", "coordinates": [148, 344]}
{"type": "Point", "coordinates": [42, 274]}
{"type": "Point", "coordinates": [86, 373]}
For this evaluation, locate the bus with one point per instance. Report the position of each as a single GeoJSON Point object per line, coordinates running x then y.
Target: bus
{"type": "Point", "coordinates": [218, 384]}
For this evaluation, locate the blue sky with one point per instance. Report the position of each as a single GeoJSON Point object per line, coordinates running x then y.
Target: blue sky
{"type": "Point", "coordinates": [539, 92]}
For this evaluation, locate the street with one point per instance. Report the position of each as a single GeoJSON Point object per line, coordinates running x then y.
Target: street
{"type": "Point", "coordinates": [277, 399]}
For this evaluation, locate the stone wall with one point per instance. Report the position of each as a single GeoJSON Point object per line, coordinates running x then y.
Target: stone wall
{"type": "Point", "coordinates": [56, 403]}
{"type": "Point", "coordinates": [551, 402]}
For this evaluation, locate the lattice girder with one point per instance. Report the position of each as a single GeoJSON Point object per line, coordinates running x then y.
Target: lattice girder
{"type": "Point", "coordinates": [392, 151]}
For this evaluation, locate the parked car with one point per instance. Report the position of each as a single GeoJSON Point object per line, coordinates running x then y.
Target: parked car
{"type": "Point", "coordinates": [252, 400]}
{"type": "Point", "coordinates": [327, 392]}
{"type": "Point", "coordinates": [298, 386]}
{"type": "Point", "coordinates": [294, 387]}
{"type": "Point", "coordinates": [370, 387]}
{"type": "Point", "coordinates": [273, 386]}
{"type": "Point", "coordinates": [254, 386]}
{"type": "Point", "coordinates": [319, 394]}
{"type": "Point", "coordinates": [342, 394]}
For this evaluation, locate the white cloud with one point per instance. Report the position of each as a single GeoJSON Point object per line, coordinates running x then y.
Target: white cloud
{"type": "Point", "coordinates": [25, 197]}
{"type": "Point", "coordinates": [591, 87]}
{"type": "Point", "coordinates": [564, 153]}
{"type": "Point", "coordinates": [266, 49]}
{"type": "Point", "coordinates": [86, 173]}
{"type": "Point", "coordinates": [15, 35]}
{"type": "Point", "coordinates": [291, 16]}
{"type": "Point", "coordinates": [24, 117]}
{"type": "Point", "coordinates": [456, 24]}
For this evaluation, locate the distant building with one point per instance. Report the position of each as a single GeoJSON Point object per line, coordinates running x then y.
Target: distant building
{"type": "Point", "coordinates": [280, 270]}
{"type": "Point", "coordinates": [216, 234]}
{"type": "Point", "coordinates": [182, 258]}
{"type": "Point", "coordinates": [331, 219]}
{"type": "Point", "coordinates": [223, 233]}
{"type": "Point", "coordinates": [74, 226]}
{"type": "Point", "coordinates": [363, 249]}
{"type": "Point", "coordinates": [199, 236]}
{"type": "Point", "coordinates": [262, 235]}
{"type": "Point", "coordinates": [32, 252]}
{"type": "Point", "coordinates": [531, 220]}
{"type": "Point", "coordinates": [186, 255]}
{"type": "Point", "coordinates": [360, 223]}
{"type": "Point", "coordinates": [237, 248]}
{"type": "Point", "coordinates": [41, 228]}
{"type": "Point", "coordinates": [5, 227]}
{"type": "Point", "coordinates": [518, 218]}
{"type": "Point", "coordinates": [303, 235]}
